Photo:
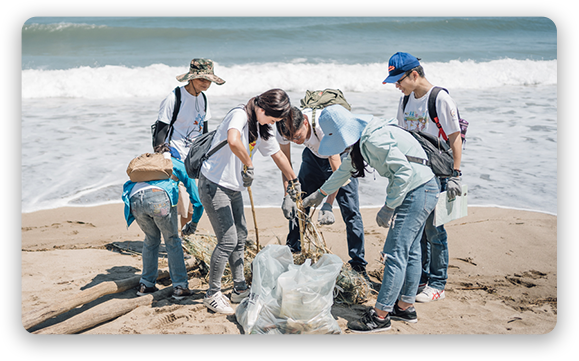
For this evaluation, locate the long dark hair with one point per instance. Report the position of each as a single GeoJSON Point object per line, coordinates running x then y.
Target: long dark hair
{"type": "Point", "coordinates": [358, 162]}
{"type": "Point", "coordinates": [275, 103]}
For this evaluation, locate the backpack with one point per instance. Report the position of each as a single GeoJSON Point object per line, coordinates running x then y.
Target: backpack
{"type": "Point", "coordinates": [149, 167]}
{"type": "Point", "coordinates": [439, 154]}
{"type": "Point", "coordinates": [200, 151]}
{"type": "Point", "coordinates": [319, 99]}
{"type": "Point", "coordinates": [434, 115]}
{"type": "Point", "coordinates": [156, 128]}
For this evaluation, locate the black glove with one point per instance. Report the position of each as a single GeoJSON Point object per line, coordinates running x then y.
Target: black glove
{"type": "Point", "coordinates": [294, 189]}
{"type": "Point", "coordinates": [189, 228]}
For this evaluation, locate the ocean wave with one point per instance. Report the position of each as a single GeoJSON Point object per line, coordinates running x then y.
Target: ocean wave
{"type": "Point", "coordinates": [157, 80]}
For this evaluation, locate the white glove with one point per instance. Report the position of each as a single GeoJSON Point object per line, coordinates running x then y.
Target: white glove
{"type": "Point", "coordinates": [384, 216]}
{"type": "Point", "coordinates": [325, 215]}
{"type": "Point", "coordinates": [314, 199]}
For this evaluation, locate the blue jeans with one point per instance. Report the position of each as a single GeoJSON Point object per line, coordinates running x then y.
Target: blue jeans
{"type": "Point", "coordinates": [153, 212]}
{"type": "Point", "coordinates": [314, 171]}
{"type": "Point", "coordinates": [401, 253]}
{"type": "Point", "coordinates": [435, 251]}
{"type": "Point", "coordinates": [224, 208]}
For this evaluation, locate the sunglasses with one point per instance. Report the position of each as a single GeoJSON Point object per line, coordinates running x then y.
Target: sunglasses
{"type": "Point", "coordinates": [404, 77]}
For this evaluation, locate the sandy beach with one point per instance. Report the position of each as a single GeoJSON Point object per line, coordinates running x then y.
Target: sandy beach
{"type": "Point", "coordinates": [502, 273]}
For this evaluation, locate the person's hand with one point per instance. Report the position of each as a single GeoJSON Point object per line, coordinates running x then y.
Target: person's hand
{"type": "Point", "coordinates": [247, 176]}
{"type": "Point", "coordinates": [314, 199]}
{"type": "Point", "coordinates": [189, 228]}
{"type": "Point", "coordinates": [453, 188]}
{"type": "Point", "coordinates": [325, 215]}
{"type": "Point", "coordinates": [289, 208]}
{"type": "Point", "coordinates": [384, 216]}
{"type": "Point", "coordinates": [294, 189]}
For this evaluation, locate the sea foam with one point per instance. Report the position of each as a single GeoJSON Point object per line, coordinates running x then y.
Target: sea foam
{"type": "Point", "coordinates": [110, 82]}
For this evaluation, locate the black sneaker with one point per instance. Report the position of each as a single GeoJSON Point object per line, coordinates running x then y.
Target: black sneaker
{"type": "Point", "coordinates": [370, 323]}
{"type": "Point", "coordinates": [408, 315]}
{"type": "Point", "coordinates": [144, 290]}
{"type": "Point", "coordinates": [180, 292]}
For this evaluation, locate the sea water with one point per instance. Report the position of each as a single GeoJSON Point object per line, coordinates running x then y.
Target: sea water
{"type": "Point", "coordinates": [91, 88]}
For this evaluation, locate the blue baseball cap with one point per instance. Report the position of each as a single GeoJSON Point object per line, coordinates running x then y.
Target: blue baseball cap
{"type": "Point", "coordinates": [399, 64]}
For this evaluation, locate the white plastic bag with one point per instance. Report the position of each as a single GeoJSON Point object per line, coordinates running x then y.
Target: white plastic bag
{"type": "Point", "coordinates": [287, 298]}
{"type": "Point", "coordinates": [267, 266]}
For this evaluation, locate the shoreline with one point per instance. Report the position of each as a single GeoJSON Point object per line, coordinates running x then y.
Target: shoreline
{"type": "Point", "coordinates": [275, 206]}
{"type": "Point", "coordinates": [502, 271]}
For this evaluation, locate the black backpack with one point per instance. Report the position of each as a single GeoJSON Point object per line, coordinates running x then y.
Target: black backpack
{"type": "Point", "coordinates": [162, 132]}
{"type": "Point", "coordinates": [201, 150]}
{"type": "Point", "coordinates": [439, 154]}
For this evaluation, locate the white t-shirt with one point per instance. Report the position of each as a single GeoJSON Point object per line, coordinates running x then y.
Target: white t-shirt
{"type": "Point", "coordinates": [416, 117]}
{"type": "Point", "coordinates": [223, 167]}
{"type": "Point", "coordinates": [313, 142]}
{"type": "Point", "coordinates": [189, 123]}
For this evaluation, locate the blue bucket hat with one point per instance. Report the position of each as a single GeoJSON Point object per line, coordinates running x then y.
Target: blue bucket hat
{"type": "Point", "coordinates": [341, 129]}
{"type": "Point", "coordinates": [399, 64]}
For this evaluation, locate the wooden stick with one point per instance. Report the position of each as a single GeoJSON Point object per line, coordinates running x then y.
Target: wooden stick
{"type": "Point", "coordinates": [253, 212]}
{"type": "Point", "coordinates": [38, 316]}
{"type": "Point", "coordinates": [102, 313]}
{"type": "Point", "coordinates": [254, 219]}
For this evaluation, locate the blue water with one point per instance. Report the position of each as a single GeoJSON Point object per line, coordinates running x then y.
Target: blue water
{"type": "Point", "coordinates": [91, 87]}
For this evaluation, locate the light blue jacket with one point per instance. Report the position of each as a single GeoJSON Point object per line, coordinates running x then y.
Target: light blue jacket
{"type": "Point", "coordinates": [384, 147]}
{"type": "Point", "coordinates": [172, 188]}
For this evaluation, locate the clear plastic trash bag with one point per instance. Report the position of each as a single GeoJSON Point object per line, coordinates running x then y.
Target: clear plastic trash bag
{"type": "Point", "coordinates": [287, 298]}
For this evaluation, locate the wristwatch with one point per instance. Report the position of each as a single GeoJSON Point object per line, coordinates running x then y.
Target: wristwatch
{"type": "Point", "coordinates": [456, 173]}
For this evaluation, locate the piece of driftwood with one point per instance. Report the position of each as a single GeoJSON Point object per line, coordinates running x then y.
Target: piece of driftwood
{"type": "Point", "coordinates": [102, 313]}
{"type": "Point", "coordinates": [40, 315]}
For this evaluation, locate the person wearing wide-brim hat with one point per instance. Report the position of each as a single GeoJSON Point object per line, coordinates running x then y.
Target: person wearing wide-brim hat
{"type": "Point", "coordinates": [201, 69]}
{"type": "Point", "coordinates": [191, 121]}
{"type": "Point", "coordinates": [411, 195]}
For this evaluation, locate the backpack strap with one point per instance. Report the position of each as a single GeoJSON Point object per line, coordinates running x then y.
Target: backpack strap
{"type": "Point", "coordinates": [175, 112]}
{"type": "Point", "coordinates": [432, 110]}
{"type": "Point", "coordinates": [205, 123]}
{"type": "Point", "coordinates": [314, 122]}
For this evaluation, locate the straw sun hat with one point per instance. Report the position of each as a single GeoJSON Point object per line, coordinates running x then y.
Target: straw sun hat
{"type": "Point", "coordinates": [201, 69]}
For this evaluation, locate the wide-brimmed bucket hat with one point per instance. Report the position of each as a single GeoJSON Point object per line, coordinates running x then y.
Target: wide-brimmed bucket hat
{"type": "Point", "coordinates": [341, 129]}
{"type": "Point", "coordinates": [201, 69]}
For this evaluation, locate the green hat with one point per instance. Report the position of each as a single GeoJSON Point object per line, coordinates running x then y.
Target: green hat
{"type": "Point", "coordinates": [201, 69]}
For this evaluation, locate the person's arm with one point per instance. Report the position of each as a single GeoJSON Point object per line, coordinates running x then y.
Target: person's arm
{"type": "Point", "coordinates": [335, 162]}
{"type": "Point", "coordinates": [286, 150]}
{"type": "Point", "coordinates": [238, 148]}
{"type": "Point", "coordinates": [284, 165]}
{"type": "Point", "coordinates": [455, 141]}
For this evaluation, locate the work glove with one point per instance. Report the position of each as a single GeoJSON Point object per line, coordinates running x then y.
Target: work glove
{"type": "Point", "coordinates": [189, 228]}
{"type": "Point", "coordinates": [289, 208]}
{"type": "Point", "coordinates": [314, 199]}
{"type": "Point", "coordinates": [247, 176]}
{"type": "Point", "coordinates": [325, 215]}
{"type": "Point", "coordinates": [294, 189]}
{"type": "Point", "coordinates": [453, 188]}
{"type": "Point", "coordinates": [384, 216]}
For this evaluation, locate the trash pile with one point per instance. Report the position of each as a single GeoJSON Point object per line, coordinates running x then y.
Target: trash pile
{"type": "Point", "coordinates": [286, 298]}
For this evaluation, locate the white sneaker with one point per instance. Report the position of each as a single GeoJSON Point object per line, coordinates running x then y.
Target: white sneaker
{"type": "Point", "coordinates": [237, 297]}
{"type": "Point", "coordinates": [430, 294]}
{"type": "Point", "coordinates": [218, 303]}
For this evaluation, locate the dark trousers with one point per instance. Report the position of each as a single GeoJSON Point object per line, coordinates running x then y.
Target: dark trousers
{"type": "Point", "coordinates": [314, 171]}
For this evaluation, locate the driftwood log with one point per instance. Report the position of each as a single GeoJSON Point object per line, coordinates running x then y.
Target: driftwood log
{"type": "Point", "coordinates": [102, 313]}
{"type": "Point", "coordinates": [38, 316]}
